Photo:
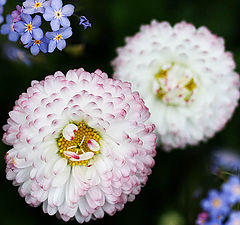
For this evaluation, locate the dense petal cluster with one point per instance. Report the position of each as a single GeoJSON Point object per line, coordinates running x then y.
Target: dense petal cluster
{"type": "Point", "coordinates": [185, 77]}
{"type": "Point", "coordinates": [218, 205]}
{"type": "Point", "coordinates": [82, 145]}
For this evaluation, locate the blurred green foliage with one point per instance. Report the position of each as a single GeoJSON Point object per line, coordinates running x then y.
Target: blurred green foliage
{"type": "Point", "coordinates": [180, 178]}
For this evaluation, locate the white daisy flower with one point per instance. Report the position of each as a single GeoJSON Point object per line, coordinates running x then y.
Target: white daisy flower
{"type": "Point", "coordinates": [185, 77]}
{"type": "Point", "coordinates": [82, 145]}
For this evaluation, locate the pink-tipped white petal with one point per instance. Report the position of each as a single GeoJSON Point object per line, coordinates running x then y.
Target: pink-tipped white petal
{"type": "Point", "coordinates": [93, 145]}
{"type": "Point", "coordinates": [68, 131]}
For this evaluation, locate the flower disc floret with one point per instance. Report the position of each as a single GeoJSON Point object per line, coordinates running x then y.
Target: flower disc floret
{"type": "Point", "coordinates": [82, 145]}
{"type": "Point", "coordinates": [183, 75]}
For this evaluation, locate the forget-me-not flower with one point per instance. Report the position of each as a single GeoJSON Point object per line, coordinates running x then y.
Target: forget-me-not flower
{"type": "Point", "coordinates": [85, 22]}
{"type": "Point", "coordinates": [15, 54]}
{"type": "Point", "coordinates": [28, 28]}
{"type": "Point", "coordinates": [57, 14]}
{"type": "Point", "coordinates": [232, 189]}
{"type": "Point", "coordinates": [234, 218]}
{"type": "Point", "coordinates": [9, 28]}
{"type": "Point", "coordinates": [215, 204]}
{"type": "Point", "coordinates": [57, 38]}
{"type": "Point", "coordinates": [38, 45]}
{"type": "Point", "coordinates": [35, 6]}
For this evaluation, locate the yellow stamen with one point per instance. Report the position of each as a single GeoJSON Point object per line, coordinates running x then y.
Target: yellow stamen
{"type": "Point", "coordinates": [37, 4]}
{"type": "Point", "coordinates": [37, 42]}
{"type": "Point", "coordinates": [216, 202]}
{"type": "Point", "coordinates": [29, 27]}
{"type": "Point", "coordinates": [58, 37]}
{"type": "Point", "coordinates": [191, 85]}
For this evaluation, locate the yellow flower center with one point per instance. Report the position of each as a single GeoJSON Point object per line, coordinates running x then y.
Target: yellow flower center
{"type": "Point", "coordinates": [38, 4]}
{"type": "Point", "coordinates": [58, 14]}
{"type": "Point", "coordinates": [236, 189]}
{"type": "Point", "coordinates": [216, 203]}
{"type": "Point", "coordinates": [175, 84]}
{"type": "Point", "coordinates": [29, 27]}
{"type": "Point", "coordinates": [37, 42]}
{"type": "Point", "coordinates": [12, 27]}
{"type": "Point", "coordinates": [77, 150]}
{"type": "Point", "coordinates": [58, 37]}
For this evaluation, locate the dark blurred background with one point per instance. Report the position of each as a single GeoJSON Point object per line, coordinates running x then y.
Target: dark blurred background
{"type": "Point", "coordinates": [180, 179]}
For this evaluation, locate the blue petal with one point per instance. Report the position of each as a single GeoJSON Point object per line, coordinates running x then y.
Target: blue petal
{"type": "Point", "coordinates": [46, 4]}
{"type": "Point", "coordinates": [37, 33]}
{"type": "Point", "coordinates": [26, 38]}
{"type": "Point", "coordinates": [19, 27]}
{"type": "Point", "coordinates": [52, 45]}
{"type": "Point", "coordinates": [13, 36]}
{"type": "Point", "coordinates": [61, 44]}
{"type": "Point", "coordinates": [5, 29]}
{"type": "Point", "coordinates": [34, 49]}
{"type": "Point", "coordinates": [49, 14]}
{"type": "Point", "coordinates": [67, 33]}
{"type": "Point", "coordinates": [51, 35]}
{"type": "Point", "coordinates": [1, 19]}
{"type": "Point", "coordinates": [26, 18]}
{"type": "Point", "coordinates": [65, 22]}
{"type": "Point", "coordinates": [9, 19]}
{"type": "Point", "coordinates": [28, 4]}
{"type": "Point", "coordinates": [36, 22]}
{"type": "Point", "coordinates": [29, 10]}
{"type": "Point", "coordinates": [44, 47]}
{"type": "Point", "coordinates": [55, 24]}
{"type": "Point", "coordinates": [3, 2]}
{"type": "Point", "coordinates": [68, 10]}
{"type": "Point", "coordinates": [56, 4]}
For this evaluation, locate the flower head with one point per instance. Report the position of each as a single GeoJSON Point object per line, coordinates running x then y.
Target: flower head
{"type": "Point", "coordinates": [182, 73]}
{"type": "Point", "coordinates": [216, 204]}
{"type": "Point", "coordinates": [82, 144]}
{"type": "Point", "coordinates": [3, 2]}
{"type": "Point", "coordinates": [38, 45]}
{"type": "Point", "coordinates": [57, 38]}
{"type": "Point", "coordinates": [15, 54]}
{"type": "Point", "coordinates": [16, 14]}
{"type": "Point", "coordinates": [226, 159]}
{"type": "Point", "coordinates": [232, 189]}
{"type": "Point", "coordinates": [57, 14]}
{"type": "Point", "coordinates": [35, 6]}
{"type": "Point", "coordinates": [28, 28]}
{"type": "Point", "coordinates": [234, 218]}
{"type": "Point", "coordinates": [85, 22]}
{"type": "Point", "coordinates": [9, 28]}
